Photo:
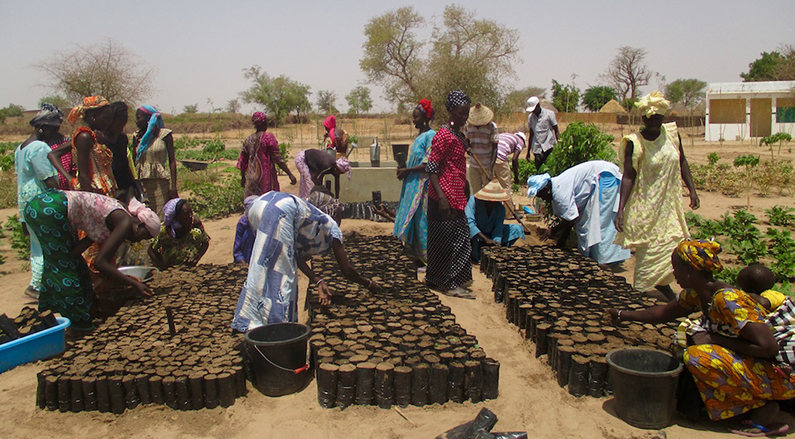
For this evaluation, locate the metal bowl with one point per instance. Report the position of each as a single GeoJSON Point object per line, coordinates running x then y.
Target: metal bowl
{"type": "Point", "coordinates": [142, 273]}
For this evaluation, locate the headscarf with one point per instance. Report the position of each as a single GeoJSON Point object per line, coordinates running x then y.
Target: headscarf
{"type": "Point", "coordinates": [653, 103]}
{"type": "Point", "coordinates": [145, 215]}
{"type": "Point", "coordinates": [155, 121]}
{"type": "Point", "coordinates": [344, 166]}
{"type": "Point", "coordinates": [425, 106]}
{"type": "Point", "coordinates": [170, 216]}
{"type": "Point", "coordinates": [331, 124]}
{"type": "Point", "coordinates": [701, 254]}
{"type": "Point", "coordinates": [89, 103]}
{"type": "Point", "coordinates": [48, 115]}
{"type": "Point", "coordinates": [456, 98]}
{"type": "Point", "coordinates": [249, 201]}
{"type": "Point", "coordinates": [537, 182]}
{"type": "Point", "coordinates": [259, 118]}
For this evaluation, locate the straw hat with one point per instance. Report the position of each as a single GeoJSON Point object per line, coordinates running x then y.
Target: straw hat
{"type": "Point", "coordinates": [480, 115]}
{"type": "Point", "coordinates": [492, 192]}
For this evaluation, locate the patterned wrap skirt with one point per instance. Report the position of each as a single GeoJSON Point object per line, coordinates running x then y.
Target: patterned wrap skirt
{"type": "Point", "coordinates": [449, 250]}
{"type": "Point", "coordinates": [66, 282]}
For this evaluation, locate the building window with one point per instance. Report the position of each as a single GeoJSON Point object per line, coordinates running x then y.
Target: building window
{"type": "Point", "coordinates": [727, 111]}
{"type": "Point", "coordinates": [785, 110]}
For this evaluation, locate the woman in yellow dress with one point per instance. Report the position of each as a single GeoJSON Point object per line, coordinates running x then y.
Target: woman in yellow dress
{"type": "Point", "coordinates": [650, 218]}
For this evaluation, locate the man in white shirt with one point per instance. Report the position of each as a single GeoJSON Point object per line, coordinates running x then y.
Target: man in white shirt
{"type": "Point", "coordinates": [543, 127]}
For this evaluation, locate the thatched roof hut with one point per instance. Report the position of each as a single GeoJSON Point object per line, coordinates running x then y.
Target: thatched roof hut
{"type": "Point", "coordinates": [613, 107]}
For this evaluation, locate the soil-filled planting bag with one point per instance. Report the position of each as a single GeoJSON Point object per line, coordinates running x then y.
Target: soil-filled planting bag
{"type": "Point", "coordinates": [403, 344]}
{"type": "Point", "coordinates": [561, 309]}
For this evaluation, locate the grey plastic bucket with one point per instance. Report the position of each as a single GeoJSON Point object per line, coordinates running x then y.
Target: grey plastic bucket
{"type": "Point", "coordinates": [278, 358]}
{"type": "Point", "coordinates": [644, 386]}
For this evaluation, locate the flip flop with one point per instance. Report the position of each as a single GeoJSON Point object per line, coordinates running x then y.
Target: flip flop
{"type": "Point", "coordinates": [460, 293]}
{"type": "Point", "coordinates": [750, 429]}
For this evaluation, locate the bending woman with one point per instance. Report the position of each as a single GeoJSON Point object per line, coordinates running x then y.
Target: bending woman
{"type": "Point", "coordinates": [54, 217]}
{"type": "Point", "coordinates": [449, 266]}
{"type": "Point", "coordinates": [735, 349]}
{"type": "Point", "coordinates": [288, 232]}
{"type": "Point", "coordinates": [314, 165]}
{"type": "Point", "coordinates": [650, 218]}
{"type": "Point", "coordinates": [411, 218]}
{"type": "Point", "coordinates": [182, 239]}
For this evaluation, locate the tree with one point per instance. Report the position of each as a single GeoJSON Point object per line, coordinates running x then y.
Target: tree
{"type": "Point", "coordinates": [191, 109]}
{"type": "Point", "coordinates": [773, 66]}
{"type": "Point", "coordinates": [12, 110]}
{"type": "Point", "coordinates": [471, 54]}
{"type": "Point", "coordinates": [326, 100]}
{"type": "Point", "coordinates": [107, 69]}
{"type": "Point", "coordinates": [565, 97]}
{"type": "Point", "coordinates": [690, 92]}
{"type": "Point", "coordinates": [59, 101]}
{"type": "Point", "coordinates": [280, 96]}
{"type": "Point", "coordinates": [233, 106]}
{"type": "Point", "coordinates": [516, 101]}
{"type": "Point", "coordinates": [597, 96]}
{"type": "Point", "coordinates": [628, 72]}
{"type": "Point", "coordinates": [359, 100]}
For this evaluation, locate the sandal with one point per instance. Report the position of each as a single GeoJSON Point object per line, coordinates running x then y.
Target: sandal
{"type": "Point", "coordinates": [460, 293]}
{"type": "Point", "coordinates": [750, 429]}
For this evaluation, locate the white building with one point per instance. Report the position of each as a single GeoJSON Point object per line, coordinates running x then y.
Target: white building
{"type": "Point", "coordinates": [739, 110]}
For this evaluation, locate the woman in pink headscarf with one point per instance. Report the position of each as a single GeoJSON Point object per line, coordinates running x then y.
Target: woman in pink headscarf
{"type": "Point", "coordinates": [258, 159]}
{"type": "Point", "coordinates": [336, 139]}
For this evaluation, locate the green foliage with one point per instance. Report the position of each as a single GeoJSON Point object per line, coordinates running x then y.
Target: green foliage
{"type": "Point", "coordinates": [526, 169]}
{"type": "Point", "coordinates": [7, 162]}
{"type": "Point", "coordinates": [701, 228]}
{"type": "Point", "coordinates": [216, 199]}
{"type": "Point", "coordinates": [713, 158]}
{"type": "Point", "coordinates": [782, 248]}
{"type": "Point", "coordinates": [326, 101]}
{"type": "Point", "coordinates": [565, 97]}
{"type": "Point", "coordinates": [763, 68]}
{"type": "Point", "coordinates": [779, 138]}
{"type": "Point", "coordinates": [745, 239]}
{"type": "Point", "coordinates": [12, 110]}
{"type": "Point", "coordinates": [59, 101]}
{"type": "Point", "coordinates": [596, 97]}
{"type": "Point", "coordinates": [749, 161]}
{"type": "Point", "coordinates": [19, 241]}
{"type": "Point", "coordinates": [468, 53]}
{"type": "Point", "coordinates": [359, 100]}
{"type": "Point", "coordinates": [284, 150]}
{"type": "Point", "coordinates": [781, 215]}
{"type": "Point", "coordinates": [629, 104]}
{"type": "Point", "coordinates": [211, 149]}
{"type": "Point", "coordinates": [580, 143]}
{"type": "Point", "coordinates": [280, 96]}
{"type": "Point", "coordinates": [191, 109]}
{"type": "Point", "coordinates": [728, 274]}
{"type": "Point", "coordinates": [690, 92]}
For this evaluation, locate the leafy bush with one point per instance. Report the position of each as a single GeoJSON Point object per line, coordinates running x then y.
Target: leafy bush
{"type": "Point", "coordinates": [19, 241]}
{"type": "Point", "coordinates": [580, 143]}
{"type": "Point", "coordinates": [744, 238]}
{"type": "Point", "coordinates": [526, 169]}
{"type": "Point", "coordinates": [216, 199]}
{"type": "Point", "coordinates": [781, 215]}
{"type": "Point", "coordinates": [782, 248]}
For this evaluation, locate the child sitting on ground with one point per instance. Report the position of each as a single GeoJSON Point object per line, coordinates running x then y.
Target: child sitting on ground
{"type": "Point", "coordinates": [758, 281]}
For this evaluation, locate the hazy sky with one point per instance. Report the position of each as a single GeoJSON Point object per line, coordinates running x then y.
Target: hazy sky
{"type": "Point", "coordinates": [201, 47]}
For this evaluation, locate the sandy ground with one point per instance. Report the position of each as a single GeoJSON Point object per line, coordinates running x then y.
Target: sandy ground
{"type": "Point", "coordinates": [530, 399]}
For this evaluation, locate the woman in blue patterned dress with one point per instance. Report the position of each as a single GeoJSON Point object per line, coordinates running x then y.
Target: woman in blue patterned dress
{"type": "Point", "coordinates": [411, 219]}
{"type": "Point", "coordinates": [288, 232]}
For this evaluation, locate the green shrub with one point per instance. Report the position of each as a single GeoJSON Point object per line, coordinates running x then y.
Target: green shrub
{"type": "Point", "coordinates": [782, 249]}
{"type": "Point", "coordinates": [580, 143]}
{"type": "Point", "coordinates": [216, 199]}
{"type": "Point", "coordinates": [19, 241]}
{"type": "Point", "coordinates": [781, 215]}
{"type": "Point", "coordinates": [526, 169]}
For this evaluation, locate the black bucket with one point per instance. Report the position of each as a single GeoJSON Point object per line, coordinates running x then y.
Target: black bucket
{"type": "Point", "coordinates": [644, 386]}
{"type": "Point", "coordinates": [278, 358]}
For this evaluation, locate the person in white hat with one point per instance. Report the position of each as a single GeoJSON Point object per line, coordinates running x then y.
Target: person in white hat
{"type": "Point", "coordinates": [543, 128]}
{"type": "Point", "coordinates": [509, 147]}
{"type": "Point", "coordinates": [486, 217]}
{"type": "Point", "coordinates": [482, 134]}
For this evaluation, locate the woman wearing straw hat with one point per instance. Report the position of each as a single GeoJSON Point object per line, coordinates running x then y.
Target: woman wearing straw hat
{"type": "Point", "coordinates": [650, 218]}
{"type": "Point", "coordinates": [483, 136]}
{"type": "Point", "coordinates": [486, 217]}
{"type": "Point", "coordinates": [585, 197]}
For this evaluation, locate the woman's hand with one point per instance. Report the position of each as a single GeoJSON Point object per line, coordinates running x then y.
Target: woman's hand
{"type": "Point", "coordinates": [373, 286]}
{"type": "Point", "coordinates": [141, 287]}
{"type": "Point", "coordinates": [444, 208]}
{"type": "Point", "coordinates": [293, 181]}
{"type": "Point", "coordinates": [323, 293]}
{"type": "Point", "coordinates": [620, 221]}
{"type": "Point", "coordinates": [545, 234]}
{"type": "Point", "coordinates": [611, 317]}
{"type": "Point", "coordinates": [402, 173]}
{"type": "Point", "coordinates": [695, 203]}
{"type": "Point", "coordinates": [702, 337]}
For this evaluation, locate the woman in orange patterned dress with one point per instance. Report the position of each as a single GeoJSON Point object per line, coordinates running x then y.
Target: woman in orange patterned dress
{"type": "Point", "coordinates": [739, 355]}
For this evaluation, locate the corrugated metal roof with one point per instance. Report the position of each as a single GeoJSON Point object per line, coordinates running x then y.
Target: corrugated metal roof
{"type": "Point", "coordinates": [751, 87]}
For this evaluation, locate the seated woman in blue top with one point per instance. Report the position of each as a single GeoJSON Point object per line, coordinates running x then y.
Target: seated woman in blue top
{"type": "Point", "coordinates": [486, 217]}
